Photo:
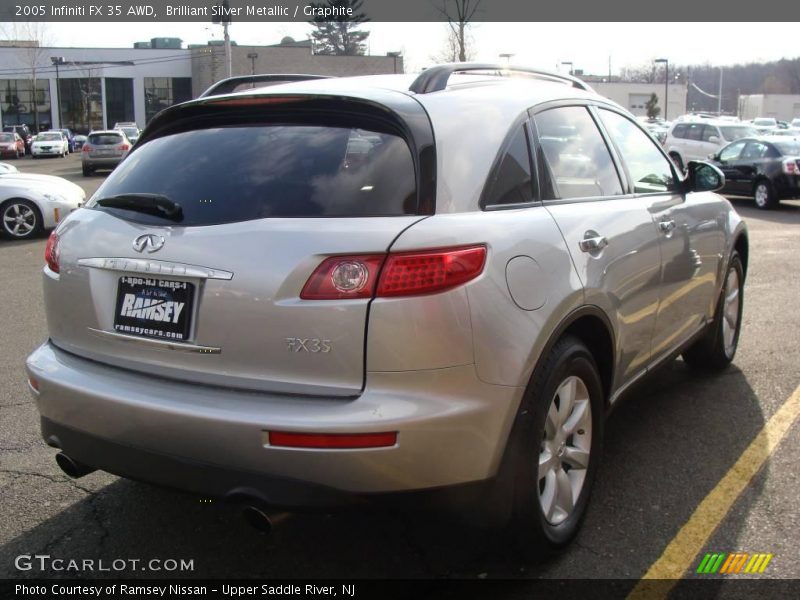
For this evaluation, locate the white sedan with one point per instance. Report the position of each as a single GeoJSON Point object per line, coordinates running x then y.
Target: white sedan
{"type": "Point", "coordinates": [49, 143]}
{"type": "Point", "coordinates": [31, 203]}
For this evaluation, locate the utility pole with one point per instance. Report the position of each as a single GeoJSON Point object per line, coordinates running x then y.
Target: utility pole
{"type": "Point", "coordinates": [719, 98]}
{"type": "Point", "coordinates": [58, 60]}
{"type": "Point", "coordinates": [666, 84]}
{"type": "Point", "coordinates": [225, 19]}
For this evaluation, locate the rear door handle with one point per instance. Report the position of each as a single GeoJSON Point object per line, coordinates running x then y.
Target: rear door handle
{"type": "Point", "coordinates": [593, 244]}
{"type": "Point", "coordinates": [666, 226]}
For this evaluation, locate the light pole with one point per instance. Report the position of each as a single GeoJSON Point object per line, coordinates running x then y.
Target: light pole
{"type": "Point", "coordinates": [394, 55]}
{"type": "Point", "coordinates": [719, 97]}
{"type": "Point", "coordinates": [568, 62]}
{"type": "Point", "coordinates": [252, 56]}
{"type": "Point", "coordinates": [58, 60]}
{"type": "Point", "coordinates": [666, 85]}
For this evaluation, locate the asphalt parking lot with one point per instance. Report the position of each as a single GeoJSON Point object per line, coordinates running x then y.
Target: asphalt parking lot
{"type": "Point", "coordinates": [668, 444]}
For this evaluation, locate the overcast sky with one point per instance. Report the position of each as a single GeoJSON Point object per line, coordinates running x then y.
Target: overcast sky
{"type": "Point", "coordinates": [545, 45]}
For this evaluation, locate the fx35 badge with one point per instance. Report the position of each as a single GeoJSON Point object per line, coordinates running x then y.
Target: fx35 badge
{"type": "Point", "coordinates": [312, 345]}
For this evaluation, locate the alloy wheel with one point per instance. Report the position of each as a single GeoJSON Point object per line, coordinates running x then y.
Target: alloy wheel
{"type": "Point", "coordinates": [730, 311]}
{"type": "Point", "coordinates": [762, 194]}
{"type": "Point", "coordinates": [19, 220]}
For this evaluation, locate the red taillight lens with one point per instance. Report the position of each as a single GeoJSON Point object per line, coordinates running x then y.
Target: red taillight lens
{"type": "Point", "coordinates": [52, 253]}
{"type": "Point", "coordinates": [332, 440]}
{"type": "Point", "coordinates": [124, 147]}
{"type": "Point", "coordinates": [412, 273]}
{"type": "Point", "coordinates": [341, 277]}
{"type": "Point", "coordinates": [86, 147]}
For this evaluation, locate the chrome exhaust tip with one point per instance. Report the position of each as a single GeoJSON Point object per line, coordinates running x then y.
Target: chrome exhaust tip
{"type": "Point", "coordinates": [71, 467]}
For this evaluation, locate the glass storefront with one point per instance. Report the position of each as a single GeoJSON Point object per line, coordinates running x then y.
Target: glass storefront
{"type": "Point", "coordinates": [81, 104]}
{"type": "Point", "coordinates": [119, 100]}
{"type": "Point", "coordinates": [161, 92]}
{"type": "Point", "coordinates": [21, 106]}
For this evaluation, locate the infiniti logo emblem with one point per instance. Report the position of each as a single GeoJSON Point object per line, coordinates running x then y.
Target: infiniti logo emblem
{"type": "Point", "coordinates": [148, 241]}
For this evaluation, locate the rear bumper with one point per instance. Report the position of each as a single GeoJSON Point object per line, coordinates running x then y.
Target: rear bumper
{"type": "Point", "coordinates": [104, 162]}
{"type": "Point", "coordinates": [451, 430]}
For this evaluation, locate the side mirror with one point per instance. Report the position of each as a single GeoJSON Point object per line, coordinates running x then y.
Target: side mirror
{"type": "Point", "coordinates": [703, 177]}
{"type": "Point", "coordinates": [713, 139]}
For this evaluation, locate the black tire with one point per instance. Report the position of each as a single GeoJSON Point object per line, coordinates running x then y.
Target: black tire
{"type": "Point", "coordinates": [713, 352]}
{"type": "Point", "coordinates": [536, 536]}
{"type": "Point", "coordinates": [31, 225]}
{"type": "Point", "coordinates": [87, 172]}
{"type": "Point", "coordinates": [764, 195]}
{"type": "Point", "coordinates": [676, 158]}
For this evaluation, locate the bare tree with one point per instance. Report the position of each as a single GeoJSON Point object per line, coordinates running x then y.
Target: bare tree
{"type": "Point", "coordinates": [459, 15]}
{"type": "Point", "coordinates": [36, 36]}
{"type": "Point", "coordinates": [449, 52]}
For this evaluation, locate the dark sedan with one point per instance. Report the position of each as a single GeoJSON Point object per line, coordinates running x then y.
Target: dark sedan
{"type": "Point", "coordinates": [766, 169]}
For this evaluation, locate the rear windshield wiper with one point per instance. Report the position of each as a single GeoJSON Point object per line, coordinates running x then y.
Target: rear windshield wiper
{"type": "Point", "coordinates": [154, 204]}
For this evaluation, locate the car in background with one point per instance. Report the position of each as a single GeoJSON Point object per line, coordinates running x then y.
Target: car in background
{"type": "Point", "coordinates": [79, 141]}
{"type": "Point", "coordinates": [31, 203]}
{"type": "Point", "coordinates": [363, 287]}
{"type": "Point", "coordinates": [8, 168]}
{"type": "Point", "coordinates": [22, 131]}
{"type": "Point", "coordinates": [764, 168]}
{"type": "Point", "coordinates": [104, 150]}
{"type": "Point", "coordinates": [764, 125]}
{"type": "Point", "coordinates": [70, 138]}
{"type": "Point", "coordinates": [11, 145]}
{"type": "Point", "coordinates": [132, 132]}
{"type": "Point", "coordinates": [49, 143]}
{"type": "Point", "coordinates": [795, 123]}
{"type": "Point", "coordinates": [658, 128]}
{"type": "Point", "coordinates": [696, 140]}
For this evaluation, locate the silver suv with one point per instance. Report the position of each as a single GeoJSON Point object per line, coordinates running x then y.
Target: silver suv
{"type": "Point", "coordinates": [299, 294]}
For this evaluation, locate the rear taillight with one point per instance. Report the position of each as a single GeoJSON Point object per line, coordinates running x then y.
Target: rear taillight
{"type": "Point", "coordinates": [85, 148]}
{"type": "Point", "coordinates": [52, 253]}
{"type": "Point", "coordinates": [791, 166]}
{"type": "Point", "coordinates": [124, 147]}
{"type": "Point", "coordinates": [403, 274]}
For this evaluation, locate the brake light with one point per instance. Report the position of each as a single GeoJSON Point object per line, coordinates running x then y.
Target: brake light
{"type": "Point", "coordinates": [123, 147]}
{"type": "Point", "coordinates": [332, 440]}
{"type": "Point", "coordinates": [86, 147]}
{"type": "Point", "coordinates": [791, 166]}
{"type": "Point", "coordinates": [52, 254]}
{"type": "Point", "coordinates": [412, 273]}
{"type": "Point", "coordinates": [403, 274]}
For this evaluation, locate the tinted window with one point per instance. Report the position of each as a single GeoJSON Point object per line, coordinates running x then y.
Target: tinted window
{"type": "Point", "coordinates": [731, 152]}
{"type": "Point", "coordinates": [512, 180]}
{"type": "Point", "coordinates": [650, 170]}
{"type": "Point", "coordinates": [228, 174]}
{"type": "Point", "coordinates": [709, 131]}
{"type": "Point", "coordinates": [576, 154]}
{"type": "Point", "coordinates": [679, 131]}
{"type": "Point", "coordinates": [755, 150]}
{"type": "Point", "coordinates": [105, 139]}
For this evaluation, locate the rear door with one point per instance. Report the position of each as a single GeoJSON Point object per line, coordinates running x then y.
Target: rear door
{"type": "Point", "coordinates": [210, 292]}
{"type": "Point", "coordinates": [728, 161]}
{"type": "Point", "coordinates": [611, 235]}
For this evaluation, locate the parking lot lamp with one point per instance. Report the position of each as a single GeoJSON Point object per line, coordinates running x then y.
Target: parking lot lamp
{"type": "Point", "coordinates": [666, 84]}
{"type": "Point", "coordinates": [58, 60]}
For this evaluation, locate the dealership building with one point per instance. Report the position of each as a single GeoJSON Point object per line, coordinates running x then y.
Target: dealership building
{"type": "Point", "coordinates": [93, 88]}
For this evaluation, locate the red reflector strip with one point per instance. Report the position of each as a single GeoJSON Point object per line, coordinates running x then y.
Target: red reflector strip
{"type": "Point", "coordinates": [332, 440]}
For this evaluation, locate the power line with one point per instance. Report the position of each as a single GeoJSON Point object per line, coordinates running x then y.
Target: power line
{"type": "Point", "coordinates": [106, 65]}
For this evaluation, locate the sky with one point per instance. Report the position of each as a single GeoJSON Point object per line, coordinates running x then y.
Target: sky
{"type": "Point", "coordinates": [589, 46]}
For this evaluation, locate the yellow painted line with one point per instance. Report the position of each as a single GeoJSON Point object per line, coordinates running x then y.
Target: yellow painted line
{"type": "Point", "coordinates": [680, 554]}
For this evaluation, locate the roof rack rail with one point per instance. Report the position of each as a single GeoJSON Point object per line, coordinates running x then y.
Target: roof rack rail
{"type": "Point", "coordinates": [231, 83]}
{"type": "Point", "coordinates": [435, 78]}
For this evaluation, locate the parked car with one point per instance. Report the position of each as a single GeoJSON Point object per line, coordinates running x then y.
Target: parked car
{"type": "Point", "coordinates": [8, 168]}
{"type": "Point", "coordinates": [22, 131]}
{"type": "Point", "coordinates": [766, 168]}
{"type": "Point", "coordinates": [764, 125]}
{"type": "Point", "coordinates": [70, 138]}
{"type": "Point", "coordinates": [795, 123]}
{"type": "Point", "coordinates": [429, 312]}
{"type": "Point", "coordinates": [103, 150]}
{"type": "Point", "coordinates": [132, 132]}
{"type": "Point", "coordinates": [49, 143]}
{"type": "Point", "coordinates": [79, 141]}
{"type": "Point", "coordinates": [696, 140]}
{"type": "Point", "coordinates": [11, 145]}
{"type": "Point", "coordinates": [31, 203]}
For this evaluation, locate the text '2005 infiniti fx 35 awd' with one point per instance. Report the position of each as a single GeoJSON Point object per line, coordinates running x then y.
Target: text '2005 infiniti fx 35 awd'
{"type": "Point", "coordinates": [353, 287]}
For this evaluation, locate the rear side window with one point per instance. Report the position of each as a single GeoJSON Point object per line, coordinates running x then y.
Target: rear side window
{"type": "Point", "coordinates": [709, 131]}
{"type": "Point", "coordinates": [105, 139]}
{"type": "Point", "coordinates": [694, 131]}
{"type": "Point", "coordinates": [511, 183]}
{"type": "Point", "coordinates": [240, 173]}
{"type": "Point", "coordinates": [650, 170]}
{"type": "Point", "coordinates": [679, 131]}
{"type": "Point", "coordinates": [577, 156]}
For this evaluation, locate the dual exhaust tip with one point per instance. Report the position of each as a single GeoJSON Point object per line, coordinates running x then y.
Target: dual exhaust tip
{"type": "Point", "coordinates": [255, 512]}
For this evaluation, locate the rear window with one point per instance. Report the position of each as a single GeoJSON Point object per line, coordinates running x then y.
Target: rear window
{"type": "Point", "coordinates": [130, 131]}
{"type": "Point", "coordinates": [240, 173]}
{"type": "Point", "coordinates": [105, 139]}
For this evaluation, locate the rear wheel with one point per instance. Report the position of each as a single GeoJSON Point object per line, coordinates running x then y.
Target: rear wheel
{"type": "Point", "coordinates": [555, 448]}
{"type": "Point", "coordinates": [87, 172]}
{"type": "Point", "coordinates": [716, 349]}
{"type": "Point", "coordinates": [20, 219]}
{"type": "Point", "coordinates": [764, 195]}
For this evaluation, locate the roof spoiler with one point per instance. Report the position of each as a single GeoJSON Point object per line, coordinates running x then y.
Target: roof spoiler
{"type": "Point", "coordinates": [435, 78]}
{"type": "Point", "coordinates": [228, 85]}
